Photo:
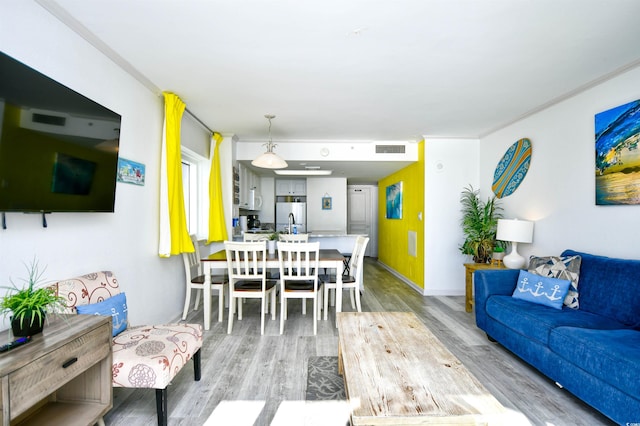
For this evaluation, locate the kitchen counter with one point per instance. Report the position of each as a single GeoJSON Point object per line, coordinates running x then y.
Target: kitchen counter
{"type": "Point", "coordinates": [334, 239]}
{"type": "Point", "coordinates": [328, 233]}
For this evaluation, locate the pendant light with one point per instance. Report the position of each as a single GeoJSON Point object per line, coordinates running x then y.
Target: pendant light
{"type": "Point", "coordinates": [269, 160]}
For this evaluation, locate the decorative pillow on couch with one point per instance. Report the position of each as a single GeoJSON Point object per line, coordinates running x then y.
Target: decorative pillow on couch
{"type": "Point", "coordinates": [566, 268]}
{"type": "Point", "coordinates": [114, 306]}
{"type": "Point", "coordinates": [542, 290]}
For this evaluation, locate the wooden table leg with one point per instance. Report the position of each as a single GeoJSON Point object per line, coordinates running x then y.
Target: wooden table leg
{"type": "Point", "coordinates": [468, 290]}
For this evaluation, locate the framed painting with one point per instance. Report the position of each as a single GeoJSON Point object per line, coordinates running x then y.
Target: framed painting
{"type": "Point", "coordinates": [617, 132]}
{"type": "Point", "coordinates": [130, 172]}
{"type": "Point", "coordinates": [394, 201]}
{"type": "Point", "coordinates": [326, 203]}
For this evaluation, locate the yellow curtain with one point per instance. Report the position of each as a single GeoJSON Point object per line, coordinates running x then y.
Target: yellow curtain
{"type": "Point", "coordinates": [174, 236]}
{"type": "Point", "coordinates": [217, 224]}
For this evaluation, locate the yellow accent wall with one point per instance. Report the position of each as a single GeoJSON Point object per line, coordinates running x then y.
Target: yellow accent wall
{"type": "Point", "coordinates": [393, 234]}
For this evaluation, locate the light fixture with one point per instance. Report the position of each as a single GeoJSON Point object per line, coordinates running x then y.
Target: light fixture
{"type": "Point", "coordinates": [306, 172]}
{"type": "Point", "coordinates": [514, 231]}
{"type": "Point", "coordinates": [269, 160]}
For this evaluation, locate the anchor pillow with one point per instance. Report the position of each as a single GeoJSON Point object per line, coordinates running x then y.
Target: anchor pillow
{"type": "Point", "coordinates": [543, 290]}
{"type": "Point", "coordinates": [115, 306]}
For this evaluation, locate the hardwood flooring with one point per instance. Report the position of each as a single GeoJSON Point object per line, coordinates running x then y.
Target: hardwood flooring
{"type": "Point", "coordinates": [247, 378]}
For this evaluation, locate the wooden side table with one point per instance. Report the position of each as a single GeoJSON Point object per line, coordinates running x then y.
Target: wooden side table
{"type": "Point", "coordinates": [63, 376]}
{"type": "Point", "coordinates": [470, 269]}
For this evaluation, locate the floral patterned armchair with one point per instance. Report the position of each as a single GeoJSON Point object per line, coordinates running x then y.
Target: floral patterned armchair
{"type": "Point", "coordinates": [143, 356]}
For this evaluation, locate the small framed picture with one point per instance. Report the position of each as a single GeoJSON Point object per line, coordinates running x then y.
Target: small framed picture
{"type": "Point", "coordinates": [326, 203]}
{"type": "Point", "coordinates": [130, 172]}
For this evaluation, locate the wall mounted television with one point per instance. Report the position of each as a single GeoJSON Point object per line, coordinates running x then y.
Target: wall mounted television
{"type": "Point", "coordinates": [58, 148]}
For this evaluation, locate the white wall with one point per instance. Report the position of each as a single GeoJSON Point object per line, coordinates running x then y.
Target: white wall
{"type": "Point", "coordinates": [558, 192]}
{"type": "Point", "coordinates": [327, 220]}
{"type": "Point", "coordinates": [77, 243]}
{"type": "Point", "coordinates": [450, 165]}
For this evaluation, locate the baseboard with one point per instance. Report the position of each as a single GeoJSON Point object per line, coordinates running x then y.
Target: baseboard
{"type": "Point", "coordinates": [402, 278]}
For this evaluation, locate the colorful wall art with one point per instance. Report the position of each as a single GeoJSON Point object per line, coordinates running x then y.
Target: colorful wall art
{"type": "Point", "coordinates": [617, 155]}
{"type": "Point", "coordinates": [394, 201]}
{"type": "Point", "coordinates": [512, 168]}
{"type": "Point", "coordinates": [130, 171]}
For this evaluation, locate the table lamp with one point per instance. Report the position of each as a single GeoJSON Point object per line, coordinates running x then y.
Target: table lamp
{"type": "Point", "coordinates": [514, 231]}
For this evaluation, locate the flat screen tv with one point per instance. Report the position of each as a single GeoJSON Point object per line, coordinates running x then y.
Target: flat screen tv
{"type": "Point", "coordinates": [58, 148]}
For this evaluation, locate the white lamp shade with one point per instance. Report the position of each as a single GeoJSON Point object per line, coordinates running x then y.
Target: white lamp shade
{"type": "Point", "coordinates": [514, 230]}
{"type": "Point", "coordinates": [269, 160]}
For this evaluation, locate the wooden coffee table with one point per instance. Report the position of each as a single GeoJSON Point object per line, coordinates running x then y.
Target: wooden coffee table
{"type": "Point", "coordinates": [397, 372]}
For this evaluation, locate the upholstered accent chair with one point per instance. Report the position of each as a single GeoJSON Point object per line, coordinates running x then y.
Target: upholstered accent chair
{"type": "Point", "coordinates": [147, 356]}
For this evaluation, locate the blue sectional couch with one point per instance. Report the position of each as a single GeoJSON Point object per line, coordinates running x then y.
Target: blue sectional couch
{"type": "Point", "coordinates": [592, 351]}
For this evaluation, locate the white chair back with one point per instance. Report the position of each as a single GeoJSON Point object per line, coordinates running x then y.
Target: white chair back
{"type": "Point", "coordinates": [299, 261]}
{"type": "Point", "coordinates": [246, 261]}
{"type": "Point", "coordinates": [192, 264]}
{"type": "Point", "coordinates": [294, 238]}
{"type": "Point", "coordinates": [255, 237]}
{"type": "Point", "coordinates": [246, 265]}
{"type": "Point", "coordinates": [357, 260]}
{"type": "Point", "coordinates": [299, 277]}
{"type": "Point", "coordinates": [194, 280]}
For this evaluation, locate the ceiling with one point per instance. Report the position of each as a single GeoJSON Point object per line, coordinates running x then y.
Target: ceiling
{"type": "Point", "coordinates": [384, 70]}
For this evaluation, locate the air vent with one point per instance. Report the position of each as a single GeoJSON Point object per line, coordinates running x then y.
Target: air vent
{"type": "Point", "coordinates": [390, 149]}
{"type": "Point", "coordinates": [48, 119]}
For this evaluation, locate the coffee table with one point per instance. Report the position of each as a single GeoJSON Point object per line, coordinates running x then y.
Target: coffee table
{"type": "Point", "coordinates": [397, 372]}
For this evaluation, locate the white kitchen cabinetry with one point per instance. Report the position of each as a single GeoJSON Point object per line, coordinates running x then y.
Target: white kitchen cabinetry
{"type": "Point", "coordinates": [291, 187]}
{"type": "Point", "coordinates": [248, 181]}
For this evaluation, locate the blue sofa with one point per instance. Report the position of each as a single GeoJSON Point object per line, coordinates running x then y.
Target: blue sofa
{"type": "Point", "coordinates": [593, 351]}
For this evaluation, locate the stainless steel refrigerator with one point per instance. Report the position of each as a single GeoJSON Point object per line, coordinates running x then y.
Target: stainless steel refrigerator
{"type": "Point", "coordinates": [299, 211]}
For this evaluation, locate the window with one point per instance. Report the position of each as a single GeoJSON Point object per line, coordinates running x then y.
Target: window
{"type": "Point", "coordinates": [195, 177]}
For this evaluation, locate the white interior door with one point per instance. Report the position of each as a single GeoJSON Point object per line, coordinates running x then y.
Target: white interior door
{"type": "Point", "coordinates": [362, 214]}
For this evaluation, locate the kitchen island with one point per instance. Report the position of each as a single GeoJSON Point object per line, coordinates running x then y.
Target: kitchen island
{"type": "Point", "coordinates": [334, 239]}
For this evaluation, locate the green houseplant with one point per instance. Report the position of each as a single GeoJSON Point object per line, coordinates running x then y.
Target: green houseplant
{"type": "Point", "coordinates": [274, 237]}
{"type": "Point", "coordinates": [479, 223]}
{"type": "Point", "coordinates": [271, 243]}
{"type": "Point", "coordinates": [28, 305]}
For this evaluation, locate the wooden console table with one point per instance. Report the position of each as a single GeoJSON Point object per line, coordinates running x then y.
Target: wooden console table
{"type": "Point", "coordinates": [61, 377]}
{"type": "Point", "coordinates": [396, 372]}
{"type": "Point", "coordinates": [470, 269]}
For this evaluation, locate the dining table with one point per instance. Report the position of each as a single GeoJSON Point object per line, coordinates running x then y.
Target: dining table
{"type": "Point", "coordinates": [328, 259]}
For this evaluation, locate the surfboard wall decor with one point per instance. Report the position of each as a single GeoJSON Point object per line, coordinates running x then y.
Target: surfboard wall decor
{"type": "Point", "coordinates": [512, 168]}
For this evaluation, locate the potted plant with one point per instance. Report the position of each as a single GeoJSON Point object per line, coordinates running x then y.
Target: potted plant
{"type": "Point", "coordinates": [498, 251]}
{"type": "Point", "coordinates": [271, 243]}
{"type": "Point", "coordinates": [28, 305]}
{"type": "Point", "coordinates": [479, 223]}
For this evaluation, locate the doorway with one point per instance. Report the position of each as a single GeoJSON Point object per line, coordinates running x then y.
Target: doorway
{"type": "Point", "coordinates": [362, 214]}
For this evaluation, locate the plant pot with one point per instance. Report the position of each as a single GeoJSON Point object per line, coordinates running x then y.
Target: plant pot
{"type": "Point", "coordinates": [497, 255]}
{"type": "Point", "coordinates": [26, 328]}
{"type": "Point", "coordinates": [271, 246]}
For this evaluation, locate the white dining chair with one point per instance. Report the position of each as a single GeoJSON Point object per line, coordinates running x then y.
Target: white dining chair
{"type": "Point", "coordinates": [194, 280]}
{"type": "Point", "coordinates": [248, 278]}
{"type": "Point", "coordinates": [299, 277]}
{"type": "Point", "coordinates": [294, 238]}
{"type": "Point", "coordinates": [255, 237]}
{"type": "Point", "coordinates": [351, 281]}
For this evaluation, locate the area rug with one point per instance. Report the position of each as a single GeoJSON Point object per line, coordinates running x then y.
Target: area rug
{"type": "Point", "coordinates": [323, 381]}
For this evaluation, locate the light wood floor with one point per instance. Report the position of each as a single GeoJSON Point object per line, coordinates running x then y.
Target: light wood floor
{"type": "Point", "coordinates": [271, 369]}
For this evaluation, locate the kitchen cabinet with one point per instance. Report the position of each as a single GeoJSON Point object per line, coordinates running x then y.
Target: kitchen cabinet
{"type": "Point", "coordinates": [291, 187]}
{"type": "Point", "coordinates": [248, 181]}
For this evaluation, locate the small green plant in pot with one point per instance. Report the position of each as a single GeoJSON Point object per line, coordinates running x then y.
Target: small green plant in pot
{"type": "Point", "coordinates": [29, 305]}
{"type": "Point", "coordinates": [274, 237]}
{"type": "Point", "coordinates": [271, 243]}
{"type": "Point", "coordinates": [479, 224]}
{"type": "Point", "coordinates": [498, 251]}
